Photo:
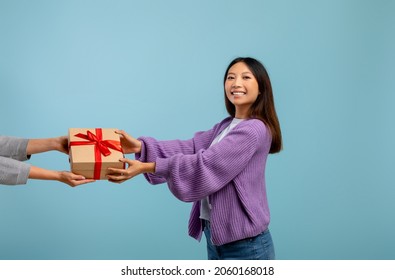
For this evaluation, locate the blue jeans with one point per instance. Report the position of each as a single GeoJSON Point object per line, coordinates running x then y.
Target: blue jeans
{"type": "Point", "coordinates": [259, 247]}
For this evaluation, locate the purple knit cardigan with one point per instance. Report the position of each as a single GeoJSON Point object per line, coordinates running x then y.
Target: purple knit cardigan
{"type": "Point", "coordinates": [231, 173]}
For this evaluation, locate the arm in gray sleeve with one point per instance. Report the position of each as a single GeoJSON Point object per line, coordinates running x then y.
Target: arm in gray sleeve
{"type": "Point", "coordinates": [13, 147]}
{"type": "Point", "coordinates": [13, 172]}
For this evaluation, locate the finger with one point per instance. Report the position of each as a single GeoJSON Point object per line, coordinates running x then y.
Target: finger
{"type": "Point", "coordinates": [87, 181]}
{"type": "Point", "coordinates": [117, 178]}
{"type": "Point", "coordinates": [115, 171]}
{"type": "Point", "coordinates": [77, 177]}
{"type": "Point", "coordinates": [119, 131]}
{"type": "Point", "coordinates": [75, 183]}
{"type": "Point", "coordinates": [128, 161]}
{"type": "Point", "coordinates": [122, 133]}
{"type": "Point", "coordinates": [117, 182]}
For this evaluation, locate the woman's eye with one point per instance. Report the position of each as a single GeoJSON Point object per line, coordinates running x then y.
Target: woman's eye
{"type": "Point", "coordinates": [246, 77]}
{"type": "Point", "coordinates": [230, 78]}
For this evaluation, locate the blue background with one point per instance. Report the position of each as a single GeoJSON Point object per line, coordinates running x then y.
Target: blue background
{"type": "Point", "coordinates": [155, 68]}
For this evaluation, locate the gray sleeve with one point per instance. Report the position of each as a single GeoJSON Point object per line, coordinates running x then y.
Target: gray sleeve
{"type": "Point", "coordinates": [13, 147]}
{"type": "Point", "coordinates": [13, 172]}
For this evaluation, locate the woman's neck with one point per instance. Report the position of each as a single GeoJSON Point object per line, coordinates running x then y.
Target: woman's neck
{"type": "Point", "coordinates": [241, 114]}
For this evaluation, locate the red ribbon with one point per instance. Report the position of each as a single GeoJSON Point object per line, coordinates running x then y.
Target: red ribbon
{"type": "Point", "coordinates": [101, 147]}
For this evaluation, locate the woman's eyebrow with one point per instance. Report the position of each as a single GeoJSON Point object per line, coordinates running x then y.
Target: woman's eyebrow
{"type": "Point", "coordinates": [246, 72]}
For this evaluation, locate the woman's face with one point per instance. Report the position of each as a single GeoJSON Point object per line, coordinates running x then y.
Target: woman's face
{"type": "Point", "coordinates": [241, 87]}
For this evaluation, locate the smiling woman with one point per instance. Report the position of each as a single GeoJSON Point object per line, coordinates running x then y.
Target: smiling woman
{"type": "Point", "coordinates": [241, 89]}
{"type": "Point", "coordinates": [226, 185]}
{"type": "Point", "coordinates": [247, 76]}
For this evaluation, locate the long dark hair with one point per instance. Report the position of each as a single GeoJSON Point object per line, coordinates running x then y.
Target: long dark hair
{"type": "Point", "coordinates": [263, 107]}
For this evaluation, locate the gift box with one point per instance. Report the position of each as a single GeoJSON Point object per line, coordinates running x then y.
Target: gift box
{"type": "Point", "coordinates": [93, 150]}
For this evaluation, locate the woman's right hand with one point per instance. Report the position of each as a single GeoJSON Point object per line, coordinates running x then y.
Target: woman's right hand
{"type": "Point", "coordinates": [129, 144]}
{"type": "Point", "coordinates": [72, 179]}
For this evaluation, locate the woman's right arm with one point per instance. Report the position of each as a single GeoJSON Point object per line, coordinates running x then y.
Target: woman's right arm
{"type": "Point", "coordinates": [14, 172]}
{"type": "Point", "coordinates": [66, 177]}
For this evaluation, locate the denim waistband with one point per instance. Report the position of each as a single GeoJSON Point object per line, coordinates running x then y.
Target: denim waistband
{"type": "Point", "coordinates": [205, 224]}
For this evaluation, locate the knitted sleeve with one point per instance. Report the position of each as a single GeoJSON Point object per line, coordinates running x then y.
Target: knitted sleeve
{"type": "Point", "coordinates": [153, 149]}
{"type": "Point", "coordinates": [192, 177]}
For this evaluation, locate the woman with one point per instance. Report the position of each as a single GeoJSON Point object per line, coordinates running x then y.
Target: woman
{"type": "Point", "coordinates": [13, 151]}
{"type": "Point", "coordinates": [222, 170]}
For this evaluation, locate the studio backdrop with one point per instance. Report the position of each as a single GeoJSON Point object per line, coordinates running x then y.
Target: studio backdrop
{"type": "Point", "coordinates": [155, 68]}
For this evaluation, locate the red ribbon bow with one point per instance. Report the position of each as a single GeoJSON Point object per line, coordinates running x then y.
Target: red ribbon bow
{"type": "Point", "coordinates": [101, 147]}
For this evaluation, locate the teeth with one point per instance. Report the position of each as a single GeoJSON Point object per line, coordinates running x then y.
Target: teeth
{"type": "Point", "coordinates": [238, 93]}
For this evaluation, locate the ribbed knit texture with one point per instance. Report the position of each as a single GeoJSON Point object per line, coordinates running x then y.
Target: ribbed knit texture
{"type": "Point", "coordinates": [231, 173]}
{"type": "Point", "coordinates": [12, 152]}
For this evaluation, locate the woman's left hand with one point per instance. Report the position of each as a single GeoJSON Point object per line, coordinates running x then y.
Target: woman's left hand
{"type": "Point", "coordinates": [134, 168]}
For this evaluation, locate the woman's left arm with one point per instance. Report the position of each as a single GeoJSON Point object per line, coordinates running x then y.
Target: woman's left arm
{"type": "Point", "coordinates": [66, 177]}
{"type": "Point", "coordinates": [191, 177]}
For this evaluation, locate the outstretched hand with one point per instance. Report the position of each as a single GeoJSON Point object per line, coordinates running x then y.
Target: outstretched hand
{"type": "Point", "coordinates": [129, 144]}
{"type": "Point", "coordinates": [134, 168]}
{"type": "Point", "coordinates": [72, 179]}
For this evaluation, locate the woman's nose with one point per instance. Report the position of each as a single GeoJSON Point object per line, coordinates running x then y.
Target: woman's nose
{"type": "Point", "coordinates": [236, 83]}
